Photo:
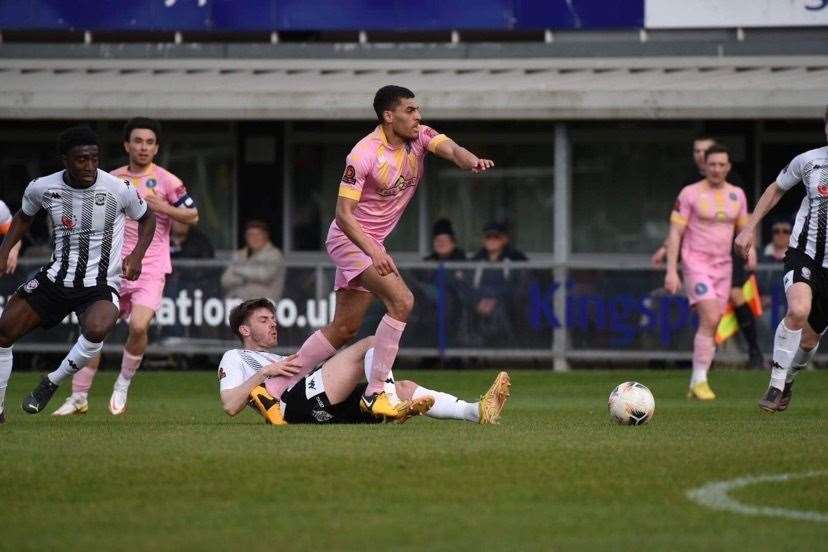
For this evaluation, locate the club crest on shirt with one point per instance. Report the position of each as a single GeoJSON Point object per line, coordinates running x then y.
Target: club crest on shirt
{"type": "Point", "coordinates": [701, 288]}
{"type": "Point", "coordinates": [151, 183]}
{"type": "Point", "coordinates": [31, 285]}
{"type": "Point", "coordinates": [349, 176]}
{"type": "Point", "coordinates": [806, 272]}
{"type": "Point", "coordinates": [822, 189]}
{"type": "Point", "coordinates": [100, 199]}
{"type": "Point", "coordinates": [732, 196]}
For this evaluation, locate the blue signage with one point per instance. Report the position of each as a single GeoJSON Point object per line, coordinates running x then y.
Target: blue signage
{"type": "Point", "coordinates": [320, 15]}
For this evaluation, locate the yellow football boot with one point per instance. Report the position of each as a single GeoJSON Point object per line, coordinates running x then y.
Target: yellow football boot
{"type": "Point", "coordinates": [701, 391]}
{"type": "Point", "coordinates": [414, 407]}
{"type": "Point", "coordinates": [492, 401]}
{"type": "Point", "coordinates": [267, 406]}
{"type": "Point", "coordinates": [379, 405]}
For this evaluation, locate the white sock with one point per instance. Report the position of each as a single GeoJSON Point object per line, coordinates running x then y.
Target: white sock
{"type": "Point", "coordinates": [448, 406]}
{"type": "Point", "coordinates": [122, 384]}
{"type": "Point", "coordinates": [5, 373]}
{"type": "Point", "coordinates": [79, 356]}
{"type": "Point", "coordinates": [389, 387]}
{"type": "Point", "coordinates": [785, 346]}
{"type": "Point", "coordinates": [80, 396]}
{"type": "Point", "coordinates": [800, 361]}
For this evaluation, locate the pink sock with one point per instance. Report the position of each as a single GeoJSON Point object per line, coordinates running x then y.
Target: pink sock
{"type": "Point", "coordinates": [82, 380]}
{"type": "Point", "coordinates": [704, 349]}
{"type": "Point", "coordinates": [129, 364]}
{"type": "Point", "coordinates": [386, 345]}
{"type": "Point", "coordinates": [314, 350]}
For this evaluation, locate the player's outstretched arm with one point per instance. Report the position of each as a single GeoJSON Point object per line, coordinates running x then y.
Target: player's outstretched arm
{"type": "Point", "coordinates": [463, 158]}
{"type": "Point", "coordinates": [769, 199]}
{"type": "Point", "coordinates": [19, 226]}
{"type": "Point", "coordinates": [234, 400]}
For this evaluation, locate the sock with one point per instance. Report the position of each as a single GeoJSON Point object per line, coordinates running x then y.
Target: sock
{"type": "Point", "coordinates": [800, 361]}
{"type": "Point", "coordinates": [785, 346]}
{"type": "Point", "coordinates": [388, 385]}
{"type": "Point", "coordinates": [386, 345]}
{"type": "Point", "coordinates": [747, 326]}
{"type": "Point", "coordinates": [314, 350]}
{"type": "Point", "coordinates": [81, 353]}
{"type": "Point", "coordinates": [704, 349]}
{"type": "Point", "coordinates": [82, 380]}
{"type": "Point", "coordinates": [129, 365]}
{"type": "Point", "coordinates": [448, 406]}
{"type": "Point", "coordinates": [5, 373]}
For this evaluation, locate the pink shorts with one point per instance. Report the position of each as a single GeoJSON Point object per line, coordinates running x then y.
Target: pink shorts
{"type": "Point", "coordinates": [350, 261]}
{"type": "Point", "coordinates": [147, 291]}
{"type": "Point", "coordinates": [704, 285]}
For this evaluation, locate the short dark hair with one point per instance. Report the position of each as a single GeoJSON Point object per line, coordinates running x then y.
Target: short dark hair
{"type": "Point", "coordinates": [241, 312]}
{"type": "Point", "coordinates": [704, 138]}
{"type": "Point", "coordinates": [389, 96]}
{"type": "Point", "coordinates": [76, 136]}
{"type": "Point", "coordinates": [142, 122]}
{"type": "Point", "coordinates": [257, 223]}
{"type": "Point", "coordinates": [716, 148]}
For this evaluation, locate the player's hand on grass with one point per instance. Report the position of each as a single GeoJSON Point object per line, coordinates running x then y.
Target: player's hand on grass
{"type": "Point", "coordinates": [482, 165]}
{"type": "Point", "coordinates": [131, 268]}
{"type": "Point", "coordinates": [289, 366]}
{"type": "Point", "coordinates": [672, 282]}
{"type": "Point", "coordinates": [744, 242]}
{"type": "Point", "coordinates": [384, 264]}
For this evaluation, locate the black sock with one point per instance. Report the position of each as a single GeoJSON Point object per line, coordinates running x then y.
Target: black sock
{"type": "Point", "coordinates": [747, 326]}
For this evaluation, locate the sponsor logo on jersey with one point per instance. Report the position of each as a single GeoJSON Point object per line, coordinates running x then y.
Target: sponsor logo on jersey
{"type": "Point", "coordinates": [349, 176]}
{"type": "Point", "coordinates": [53, 195]}
{"type": "Point", "coordinates": [701, 288]}
{"type": "Point", "coordinates": [721, 215]}
{"type": "Point", "coordinates": [321, 416]}
{"type": "Point", "coordinates": [311, 384]}
{"type": "Point", "coordinates": [430, 132]}
{"type": "Point", "coordinates": [68, 222]}
{"type": "Point", "coordinates": [100, 199]}
{"type": "Point", "coordinates": [401, 184]}
{"type": "Point", "coordinates": [822, 190]}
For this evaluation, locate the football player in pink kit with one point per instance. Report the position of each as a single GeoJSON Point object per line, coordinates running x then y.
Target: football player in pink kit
{"type": "Point", "coordinates": [702, 223]}
{"type": "Point", "coordinates": [169, 200]}
{"type": "Point", "coordinates": [381, 175]}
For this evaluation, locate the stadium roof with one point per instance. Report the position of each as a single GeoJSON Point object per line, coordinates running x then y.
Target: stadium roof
{"type": "Point", "coordinates": [746, 87]}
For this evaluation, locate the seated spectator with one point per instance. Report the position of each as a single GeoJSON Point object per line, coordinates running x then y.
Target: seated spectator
{"type": "Point", "coordinates": [258, 269]}
{"type": "Point", "coordinates": [188, 242]}
{"type": "Point", "coordinates": [444, 244]}
{"type": "Point", "coordinates": [774, 252]}
{"type": "Point", "coordinates": [496, 245]}
{"type": "Point", "coordinates": [493, 288]}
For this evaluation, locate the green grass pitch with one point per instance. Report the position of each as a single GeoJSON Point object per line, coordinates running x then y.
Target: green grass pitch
{"type": "Point", "coordinates": [176, 473]}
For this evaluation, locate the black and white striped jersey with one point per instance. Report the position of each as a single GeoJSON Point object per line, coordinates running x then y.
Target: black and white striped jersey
{"type": "Point", "coordinates": [809, 231]}
{"type": "Point", "coordinates": [88, 226]}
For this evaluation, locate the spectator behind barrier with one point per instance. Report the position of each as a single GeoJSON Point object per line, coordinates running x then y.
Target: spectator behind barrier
{"type": "Point", "coordinates": [774, 251]}
{"type": "Point", "coordinates": [188, 242]}
{"type": "Point", "coordinates": [258, 269]}
{"type": "Point", "coordinates": [494, 289]}
{"type": "Point", "coordinates": [444, 243]}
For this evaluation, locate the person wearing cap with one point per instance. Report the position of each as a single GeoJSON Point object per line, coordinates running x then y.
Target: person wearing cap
{"type": "Point", "coordinates": [775, 251]}
{"type": "Point", "coordinates": [444, 243]}
{"type": "Point", "coordinates": [258, 269]}
{"type": "Point", "coordinates": [496, 246]}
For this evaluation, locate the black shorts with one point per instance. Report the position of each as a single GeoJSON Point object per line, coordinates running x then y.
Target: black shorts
{"type": "Point", "coordinates": [739, 273]}
{"type": "Point", "coordinates": [53, 302]}
{"type": "Point", "coordinates": [799, 267]}
{"type": "Point", "coordinates": [307, 403]}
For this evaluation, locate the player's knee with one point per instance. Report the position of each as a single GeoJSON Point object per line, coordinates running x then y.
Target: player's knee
{"type": "Point", "coordinates": [402, 306]}
{"type": "Point", "coordinates": [96, 332]}
{"type": "Point", "coordinates": [138, 329]}
{"type": "Point", "coordinates": [798, 313]}
{"type": "Point", "coordinates": [345, 331]}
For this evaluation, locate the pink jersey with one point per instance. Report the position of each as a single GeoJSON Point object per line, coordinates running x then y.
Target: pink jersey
{"type": "Point", "coordinates": [383, 179]}
{"type": "Point", "coordinates": [710, 216]}
{"type": "Point", "coordinates": [154, 180]}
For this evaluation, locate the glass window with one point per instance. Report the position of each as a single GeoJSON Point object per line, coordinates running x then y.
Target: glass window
{"type": "Point", "coordinates": [625, 179]}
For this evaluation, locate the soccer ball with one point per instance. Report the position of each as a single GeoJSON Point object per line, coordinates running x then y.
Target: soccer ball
{"type": "Point", "coordinates": [631, 403]}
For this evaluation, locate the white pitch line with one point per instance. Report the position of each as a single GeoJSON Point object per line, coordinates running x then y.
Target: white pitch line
{"type": "Point", "coordinates": [716, 495]}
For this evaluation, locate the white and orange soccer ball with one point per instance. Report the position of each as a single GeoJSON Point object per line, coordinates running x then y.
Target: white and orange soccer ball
{"type": "Point", "coordinates": [631, 403]}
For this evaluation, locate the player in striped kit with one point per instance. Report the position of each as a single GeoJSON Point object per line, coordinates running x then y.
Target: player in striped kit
{"type": "Point", "coordinates": [88, 208]}
{"type": "Point", "coordinates": [168, 198]}
{"type": "Point", "coordinates": [806, 271]}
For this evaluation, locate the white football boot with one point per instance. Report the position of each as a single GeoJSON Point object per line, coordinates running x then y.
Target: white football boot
{"type": "Point", "coordinates": [118, 400]}
{"type": "Point", "coordinates": [75, 404]}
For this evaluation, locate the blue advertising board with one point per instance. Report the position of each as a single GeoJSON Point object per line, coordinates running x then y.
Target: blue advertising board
{"type": "Point", "coordinates": [319, 15]}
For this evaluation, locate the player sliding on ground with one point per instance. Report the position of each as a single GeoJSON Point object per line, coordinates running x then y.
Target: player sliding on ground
{"type": "Point", "coordinates": [702, 223]}
{"type": "Point", "coordinates": [87, 208]}
{"type": "Point", "coordinates": [381, 175]}
{"type": "Point", "coordinates": [805, 277]}
{"type": "Point", "coordinates": [332, 393]}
